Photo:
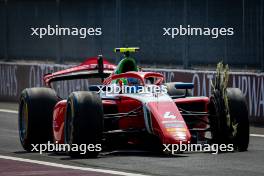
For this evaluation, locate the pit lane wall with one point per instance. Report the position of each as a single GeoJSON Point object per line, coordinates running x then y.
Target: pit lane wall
{"type": "Point", "coordinates": [15, 77]}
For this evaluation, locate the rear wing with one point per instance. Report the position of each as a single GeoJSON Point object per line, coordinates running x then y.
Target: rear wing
{"type": "Point", "coordinates": [91, 68]}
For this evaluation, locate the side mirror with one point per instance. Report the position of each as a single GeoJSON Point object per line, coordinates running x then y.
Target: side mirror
{"type": "Point", "coordinates": [181, 85]}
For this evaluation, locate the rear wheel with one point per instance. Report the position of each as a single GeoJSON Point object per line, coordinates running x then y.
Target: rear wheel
{"type": "Point", "coordinates": [35, 116]}
{"type": "Point", "coordinates": [239, 115]}
{"type": "Point", "coordinates": [229, 125]}
{"type": "Point", "coordinates": [84, 123]}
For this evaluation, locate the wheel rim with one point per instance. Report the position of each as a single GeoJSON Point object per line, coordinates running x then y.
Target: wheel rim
{"type": "Point", "coordinates": [68, 126]}
{"type": "Point", "coordinates": [23, 121]}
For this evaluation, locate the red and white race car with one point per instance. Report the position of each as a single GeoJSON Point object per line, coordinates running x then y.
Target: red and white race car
{"type": "Point", "coordinates": [130, 117]}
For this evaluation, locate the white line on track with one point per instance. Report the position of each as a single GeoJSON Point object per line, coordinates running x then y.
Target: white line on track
{"type": "Point", "coordinates": [16, 112]}
{"type": "Point", "coordinates": [70, 167]}
{"type": "Point", "coordinates": [9, 111]}
{"type": "Point", "coordinates": [257, 135]}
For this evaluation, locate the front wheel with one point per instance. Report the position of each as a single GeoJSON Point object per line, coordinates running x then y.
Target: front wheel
{"type": "Point", "coordinates": [84, 124]}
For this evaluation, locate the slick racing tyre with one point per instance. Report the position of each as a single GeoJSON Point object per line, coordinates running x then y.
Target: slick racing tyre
{"type": "Point", "coordinates": [35, 116]}
{"type": "Point", "coordinates": [84, 123]}
{"type": "Point", "coordinates": [235, 128]}
{"type": "Point", "coordinates": [172, 91]}
{"type": "Point", "coordinates": [239, 114]}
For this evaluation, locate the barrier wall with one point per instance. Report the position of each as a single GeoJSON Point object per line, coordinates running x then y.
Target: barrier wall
{"type": "Point", "coordinates": [15, 77]}
{"type": "Point", "coordinates": [136, 23]}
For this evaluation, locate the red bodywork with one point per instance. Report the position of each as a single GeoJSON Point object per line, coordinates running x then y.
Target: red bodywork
{"type": "Point", "coordinates": [164, 119]}
{"type": "Point", "coordinates": [86, 69]}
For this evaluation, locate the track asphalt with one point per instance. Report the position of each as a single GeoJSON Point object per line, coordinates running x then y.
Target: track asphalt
{"type": "Point", "coordinates": [15, 161]}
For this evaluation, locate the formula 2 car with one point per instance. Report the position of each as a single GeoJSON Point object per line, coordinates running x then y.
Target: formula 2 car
{"type": "Point", "coordinates": [132, 118]}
